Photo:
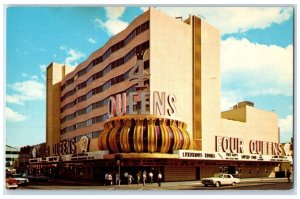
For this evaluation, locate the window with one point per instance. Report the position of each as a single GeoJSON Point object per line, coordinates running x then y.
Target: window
{"type": "Point", "coordinates": [89, 94]}
{"type": "Point", "coordinates": [138, 30]}
{"type": "Point", "coordinates": [117, 63]}
{"type": "Point", "coordinates": [89, 109]}
{"type": "Point", "coordinates": [89, 81]}
{"type": "Point", "coordinates": [82, 111]}
{"type": "Point", "coordinates": [89, 122]}
{"type": "Point", "coordinates": [95, 134]}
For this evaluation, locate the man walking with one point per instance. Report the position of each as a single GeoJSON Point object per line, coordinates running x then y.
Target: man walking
{"type": "Point", "coordinates": [151, 177]}
{"type": "Point", "coordinates": [144, 178]}
{"type": "Point", "coordinates": [288, 175]}
{"type": "Point", "coordinates": [159, 179]}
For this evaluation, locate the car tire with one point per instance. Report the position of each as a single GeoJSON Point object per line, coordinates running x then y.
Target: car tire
{"type": "Point", "coordinates": [218, 184]}
{"type": "Point", "coordinates": [206, 185]}
{"type": "Point", "coordinates": [233, 184]}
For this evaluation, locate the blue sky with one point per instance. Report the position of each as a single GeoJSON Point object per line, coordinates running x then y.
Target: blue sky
{"type": "Point", "coordinates": [256, 63]}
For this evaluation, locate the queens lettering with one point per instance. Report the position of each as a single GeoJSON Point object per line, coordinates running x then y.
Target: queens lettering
{"type": "Point", "coordinates": [162, 104]}
{"type": "Point", "coordinates": [265, 148]}
{"type": "Point", "coordinates": [65, 147]}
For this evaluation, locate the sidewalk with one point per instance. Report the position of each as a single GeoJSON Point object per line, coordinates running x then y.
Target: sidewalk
{"type": "Point", "coordinates": [95, 183]}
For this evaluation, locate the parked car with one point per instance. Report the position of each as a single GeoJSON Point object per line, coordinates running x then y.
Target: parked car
{"type": "Point", "coordinates": [21, 180]}
{"type": "Point", "coordinates": [11, 183]}
{"type": "Point", "coordinates": [36, 178]}
{"type": "Point", "coordinates": [220, 179]}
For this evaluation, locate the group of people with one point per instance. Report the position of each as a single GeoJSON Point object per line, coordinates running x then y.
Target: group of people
{"type": "Point", "coordinates": [144, 176]}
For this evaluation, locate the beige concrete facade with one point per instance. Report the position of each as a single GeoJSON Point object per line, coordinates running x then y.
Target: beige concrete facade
{"type": "Point", "coordinates": [55, 73]}
{"type": "Point", "coordinates": [171, 61]}
{"type": "Point", "coordinates": [185, 61]}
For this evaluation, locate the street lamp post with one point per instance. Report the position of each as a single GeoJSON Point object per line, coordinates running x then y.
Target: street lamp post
{"type": "Point", "coordinates": [118, 158]}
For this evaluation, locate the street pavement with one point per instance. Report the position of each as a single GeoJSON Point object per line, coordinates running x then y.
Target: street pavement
{"type": "Point", "coordinates": [246, 184]}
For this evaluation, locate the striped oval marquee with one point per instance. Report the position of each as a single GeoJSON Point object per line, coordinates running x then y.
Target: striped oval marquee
{"type": "Point", "coordinates": [146, 134]}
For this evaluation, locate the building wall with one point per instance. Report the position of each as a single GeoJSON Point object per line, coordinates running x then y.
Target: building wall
{"type": "Point", "coordinates": [260, 125]}
{"type": "Point", "coordinates": [210, 85]}
{"type": "Point", "coordinates": [179, 173]}
{"type": "Point", "coordinates": [112, 90]}
{"type": "Point", "coordinates": [55, 73]}
{"type": "Point", "coordinates": [184, 61]}
{"type": "Point", "coordinates": [247, 171]}
{"type": "Point", "coordinates": [171, 62]}
{"type": "Point", "coordinates": [247, 122]}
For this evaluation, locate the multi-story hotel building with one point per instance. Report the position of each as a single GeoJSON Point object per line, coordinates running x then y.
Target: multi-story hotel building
{"type": "Point", "coordinates": [171, 120]}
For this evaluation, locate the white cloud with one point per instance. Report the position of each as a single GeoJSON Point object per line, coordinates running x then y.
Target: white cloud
{"type": "Point", "coordinates": [63, 48]}
{"type": "Point", "coordinates": [26, 91]}
{"type": "Point", "coordinates": [43, 76]}
{"type": "Point", "coordinates": [73, 56]}
{"type": "Point", "coordinates": [113, 24]}
{"type": "Point", "coordinates": [234, 19]}
{"type": "Point", "coordinates": [13, 116]}
{"type": "Point", "coordinates": [114, 12]}
{"type": "Point", "coordinates": [229, 99]}
{"type": "Point", "coordinates": [14, 99]}
{"type": "Point", "coordinates": [91, 40]}
{"type": "Point", "coordinates": [286, 128]}
{"type": "Point", "coordinates": [257, 69]}
{"type": "Point", "coordinates": [30, 76]}
{"type": "Point", "coordinates": [43, 68]}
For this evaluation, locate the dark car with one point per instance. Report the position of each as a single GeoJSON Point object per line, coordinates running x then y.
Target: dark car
{"type": "Point", "coordinates": [37, 178]}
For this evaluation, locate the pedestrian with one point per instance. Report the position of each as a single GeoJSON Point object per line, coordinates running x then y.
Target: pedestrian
{"type": "Point", "coordinates": [81, 175]}
{"type": "Point", "coordinates": [130, 179]}
{"type": "Point", "coordinates": [236, 173]}
{"type": "Point", "coordinates": [288, 175]}
{"type": "Point", "coordinates": [144, 178]}
{"type": "Point", "coordinates": [138, 178]}
{"type": "Point", "coordinates": [106, 179]}
{"type": "Point", "coordinates": [159, 179]}
{"type": "Point", "coordinates": [110, 180]}
{"type": "Point", "coordinates": [118, 178]}
{"type": "Point", "coordinates": [151, 177]}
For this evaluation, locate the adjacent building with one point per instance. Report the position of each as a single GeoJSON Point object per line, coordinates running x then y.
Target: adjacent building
{"type": "Point", "coordinates": [149, 99]}
{"type": "Point", "coordinates": [11, 157]}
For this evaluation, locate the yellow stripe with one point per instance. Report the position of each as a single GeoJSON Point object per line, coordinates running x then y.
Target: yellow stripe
{"type": "Point", "coordinates": [165, 138]}
{"type": "Point", "coordinates": [152, 137]}
{"type": "Point", "coordinates": [124, 136]}
{"type": "Point", "coordinates": [175, 135]}
{"type": "Point", "coordinates": [138, 136]}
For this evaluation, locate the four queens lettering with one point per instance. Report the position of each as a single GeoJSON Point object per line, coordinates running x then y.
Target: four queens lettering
{"type": "Point", "coordinates": [162, 104]}
{"type": "Point", "coordinates": [138, 72]}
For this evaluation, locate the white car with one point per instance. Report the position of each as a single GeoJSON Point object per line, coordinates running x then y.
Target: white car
{"type": "Point", "coordinates": [220, 179]}
{"type": "Point", "coordinates": [20, 179]}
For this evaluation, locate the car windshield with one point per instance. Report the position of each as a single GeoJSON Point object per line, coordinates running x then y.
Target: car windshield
{"type": "Point", "coordinates": [217, 175]}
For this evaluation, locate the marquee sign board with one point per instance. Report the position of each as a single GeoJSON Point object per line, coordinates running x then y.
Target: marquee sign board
{"type": "Point", "coordinates": [96, 155]}
{"type": "Point", "coordinates": [200, 155]}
